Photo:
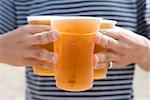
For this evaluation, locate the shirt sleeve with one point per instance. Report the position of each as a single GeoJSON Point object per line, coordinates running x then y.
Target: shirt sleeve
{"type": "Point", "coordinates": [7, 16]}
{"type": "Point", "coordinates": [147, 17]}
{"type": "Point", "coordinates": [143, 17]}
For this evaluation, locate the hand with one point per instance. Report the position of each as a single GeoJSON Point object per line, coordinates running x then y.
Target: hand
{"type": "Point", "coordinates": [20, 47]}
{"type": "Point", "coordinates": [124, 47]}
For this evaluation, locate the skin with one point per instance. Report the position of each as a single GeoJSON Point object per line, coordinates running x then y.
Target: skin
{"type": "Point", "coordinates": [124, 47]}
{"type": "Point", "coordinates": [20, 47]}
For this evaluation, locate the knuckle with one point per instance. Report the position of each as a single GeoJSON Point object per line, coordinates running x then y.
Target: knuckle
{"type": "Point", "coordinates": [121, 35]}
{"type": "Point", "coordinates": [103, 41]}
{"type": "Point", "coordinates": [38, 38]}
{"type": "Point", "coordinates": [40, 29]}
{"type": "Point", "coordinates": [109, 42]}
{"type": "Point", "coordinates": [48, 36]}
{"type": "Point", "coordinates": [45, 37]}
{"type": "Point", "coordinates": [46, 56]}
{"type": "Point", "coordinates": [43, 55]}
{"type": "Point", "coordinates": [39, 54]}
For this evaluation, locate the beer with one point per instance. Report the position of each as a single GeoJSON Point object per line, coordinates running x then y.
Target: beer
{"type": "Point", "coordinates": [74, 70]}
{"type": "Point", "coordinates": [102, 73]}
{"type": "Point", "coordinates": [42, 20]}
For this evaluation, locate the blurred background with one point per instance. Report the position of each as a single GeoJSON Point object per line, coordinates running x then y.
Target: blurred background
{"type": "Point", "coordinates": [12, 83]}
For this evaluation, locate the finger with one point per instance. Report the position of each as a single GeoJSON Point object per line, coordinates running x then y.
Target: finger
{"type": "Point", "coordinates": [106, 57]}
{"type": "Point", "coordinates": [101, 57]}
{"type": "Point", "coordinates": [44, 37]}
{"type": "Point", "coordinates": [116, 33]}
{"type": "Point", "coordinates": [107, 42]}
{"type": "Point", "coordinates": [116, 64]}
{"type": "Point", "coordinates": [38, 63]}
{"type": "Point", "coordinates": [101, 65]}
{"type": "Point", "coordinates": [33, 29]}
{"type": "Point", "coordinates": [42, 54]}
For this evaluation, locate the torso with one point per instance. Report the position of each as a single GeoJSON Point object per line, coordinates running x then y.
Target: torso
{"type": "Point", "coordinates": [118, 84]}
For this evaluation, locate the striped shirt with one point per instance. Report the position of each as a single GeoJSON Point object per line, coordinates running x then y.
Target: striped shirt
{"type": "Point", "coordinates": [133, 15]}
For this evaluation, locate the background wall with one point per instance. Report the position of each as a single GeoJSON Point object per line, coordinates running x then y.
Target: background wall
{"type": "Point", "coordinates": [12, 83]}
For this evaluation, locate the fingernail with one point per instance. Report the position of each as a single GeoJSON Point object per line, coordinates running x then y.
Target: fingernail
{"type": "Point", "coordinates": [98, 36]}
{"type": "Point", "coordinates": [96, 61]}
{"type": "Point", "coordinates": [55, 35]}
{"type": "Point", "coordinates": [54, 58]}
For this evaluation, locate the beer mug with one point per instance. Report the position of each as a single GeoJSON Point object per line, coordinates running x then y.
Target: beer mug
{"type": "Point", "coordinates": [102, 72]}
{"type": "Point", "coordinates": [42, 20]}
{"type": "Point", "coordinates": [75, 48]}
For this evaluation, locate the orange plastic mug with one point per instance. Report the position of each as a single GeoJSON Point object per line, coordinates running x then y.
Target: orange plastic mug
{"type": "Point", "coordinates": [74, 70]}
{"type": "Point", "coordinates": [42, 20]}
{"type": "Point", "coordinates": [102, 73]}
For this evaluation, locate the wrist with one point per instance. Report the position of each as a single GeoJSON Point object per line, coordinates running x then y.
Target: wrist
{"type": "Point", "coordinates": [144, 58]}
{"type": "Point", "coordinates": [1, 48]}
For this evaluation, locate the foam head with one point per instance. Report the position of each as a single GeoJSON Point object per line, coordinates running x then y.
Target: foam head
{"type": "Point", "coordinates": [76, 24]}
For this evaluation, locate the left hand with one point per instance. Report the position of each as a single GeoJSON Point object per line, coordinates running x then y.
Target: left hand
{"type": "Point", "coordinates": [124, 47]}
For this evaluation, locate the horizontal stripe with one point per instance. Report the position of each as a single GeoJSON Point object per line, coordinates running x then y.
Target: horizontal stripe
{"type": "Point", "coordinates": [97, 82]}
{"type": "Point", "coordinates": [10, 6]}
{"type": "Point", "coordinates": [94, 89]}
{"type": "Point", "coordinates": [130, 14]}
{"type": "Point", "coordinates": [112, 78]}
{"type": "Point", "coordinates": [85, 12]}
{"type": "Point", "coordinates": [7, 22]}
{"type": "Point", "coordinates": [55, 2]}
{"type": "Point", "coordinates": [85, 98]}
{"type": "Point", "coordinates": [96, 85]}
{"type": "Point", "coordinates": [3, 25]}
{"type": "Point", "coordinates": [79, 94]}
{"type": "Point", "coordinates": [84, 6]}
{"type": "Point", "coordinates": [123, 97]}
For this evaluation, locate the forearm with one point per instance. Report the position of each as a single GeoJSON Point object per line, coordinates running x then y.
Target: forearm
{"type": "Point", "coordinates": [0, 48]}
{"type": "Point", "coordinates": [5, 49]}
{"type": "Point", "coordinates": [144, 63]}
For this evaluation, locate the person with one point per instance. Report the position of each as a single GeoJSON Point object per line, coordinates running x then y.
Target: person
{"type": "Point", "coordinates": [19, 46]}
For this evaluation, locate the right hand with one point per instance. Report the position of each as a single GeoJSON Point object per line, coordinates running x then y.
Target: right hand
{"type": "Point", "coordinates": [20, 47]}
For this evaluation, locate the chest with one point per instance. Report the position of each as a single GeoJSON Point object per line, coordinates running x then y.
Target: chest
{"type": "Point", "coordinates": [123, 11]}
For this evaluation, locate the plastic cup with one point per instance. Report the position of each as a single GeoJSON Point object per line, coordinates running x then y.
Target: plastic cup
{"type": "Point", "coordinates": [42, 20]}
{"type": "Point", "coordinates": [102, 72]}
{"type": "Point", "coordinates": [74, 70]}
